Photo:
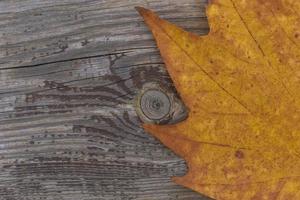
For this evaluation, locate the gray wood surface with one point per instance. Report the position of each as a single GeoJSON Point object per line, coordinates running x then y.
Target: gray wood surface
{"type": "Point", "coordinates": [69, 74]}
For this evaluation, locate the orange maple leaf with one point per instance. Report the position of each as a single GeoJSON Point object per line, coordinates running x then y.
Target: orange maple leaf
{"type": "Point", "coordinates": [241, 84]}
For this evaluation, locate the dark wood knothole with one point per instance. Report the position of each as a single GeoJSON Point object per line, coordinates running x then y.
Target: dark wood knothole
{"type": "Point", "coordinates": [159, 105]}
{"type": "Point", "coordinates": [155, 104]}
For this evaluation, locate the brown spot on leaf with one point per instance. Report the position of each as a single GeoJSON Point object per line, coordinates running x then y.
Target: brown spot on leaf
{"type": "Point", "coordinates": [239, 154]}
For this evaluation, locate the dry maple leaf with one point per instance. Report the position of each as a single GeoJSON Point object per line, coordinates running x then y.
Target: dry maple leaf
{"type": "Point", "coordinates": [241, 84]}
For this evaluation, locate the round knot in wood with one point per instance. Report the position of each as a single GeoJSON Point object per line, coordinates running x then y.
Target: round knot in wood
{"type": "Point", "coordinates": [159, 105]}
{"type": "Point", "coordinates": [155, 104]}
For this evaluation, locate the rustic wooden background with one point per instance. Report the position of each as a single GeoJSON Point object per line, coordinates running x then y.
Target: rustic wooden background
{"type": "Point", "coordinates": [69, 73]}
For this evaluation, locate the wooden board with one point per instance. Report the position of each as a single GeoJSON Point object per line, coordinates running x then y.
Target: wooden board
{"type": "Point", "coordinates": [69, 74]}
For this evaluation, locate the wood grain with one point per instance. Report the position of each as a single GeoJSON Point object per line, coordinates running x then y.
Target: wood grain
{"type": "Point", "coordinates": [69, 74]}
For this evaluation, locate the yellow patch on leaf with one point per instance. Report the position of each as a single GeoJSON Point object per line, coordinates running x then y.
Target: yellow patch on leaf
{"type": "Point", "coordinates": [241, 84]}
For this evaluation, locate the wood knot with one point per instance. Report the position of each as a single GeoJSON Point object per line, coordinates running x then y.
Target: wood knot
{"type": "Point", "coordinates": [155, 104]}
{"type": "Point", "coordinates": [158, 105]}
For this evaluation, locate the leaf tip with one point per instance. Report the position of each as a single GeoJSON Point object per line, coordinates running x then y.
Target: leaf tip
{"type": "Point", "coordinates": [143, 11]}
{"type": "Point", "coordinates": [181, 180]}
{"type": "Point", "coordinates": [140, 9]}
{"type": "Point", "coordinates": [149, 16]}
{"type": "Point", "coordinates": [151, 128]}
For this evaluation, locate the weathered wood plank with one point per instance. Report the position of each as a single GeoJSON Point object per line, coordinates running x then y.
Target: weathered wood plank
{"type": "Point", "coordinates": [69, 74]}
